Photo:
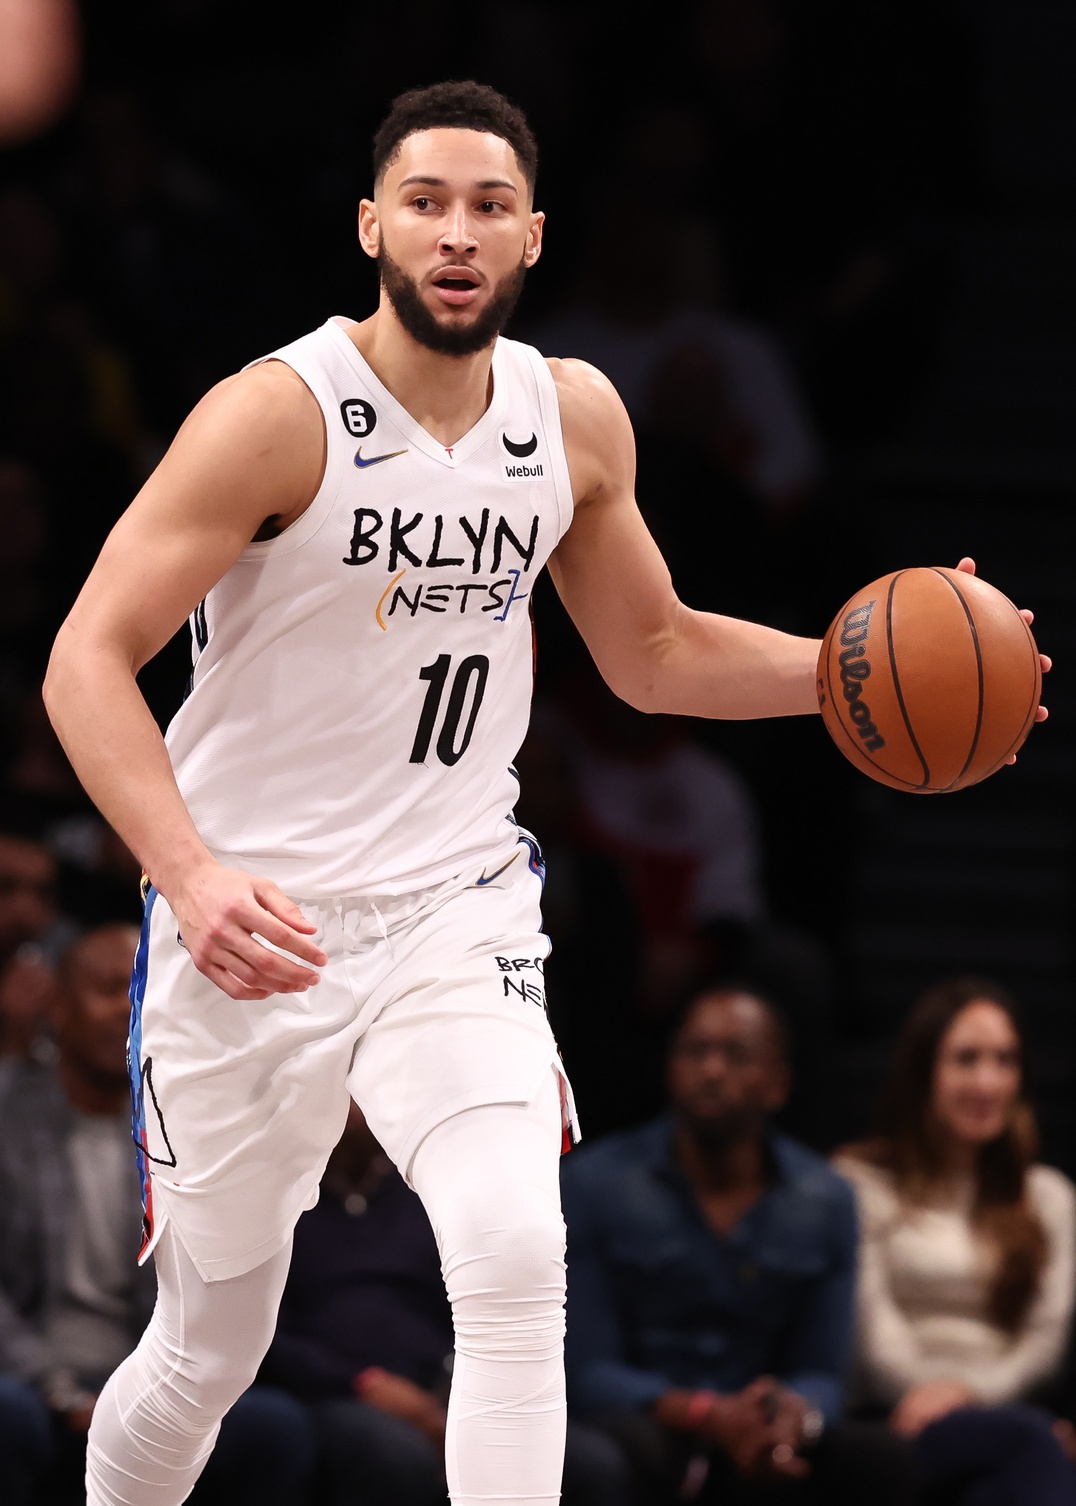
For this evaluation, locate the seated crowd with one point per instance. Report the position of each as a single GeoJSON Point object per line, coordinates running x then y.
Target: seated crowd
{"type": "Point", "coordinates": [748, 1323]}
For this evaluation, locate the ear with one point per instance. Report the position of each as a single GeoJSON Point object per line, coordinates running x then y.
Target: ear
{"type": "Point", "coordinates": [532, 250]}
{"type": "Point", "coordinates": [369, 228]}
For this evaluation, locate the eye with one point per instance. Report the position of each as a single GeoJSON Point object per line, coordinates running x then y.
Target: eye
{"type": "Point", "coordinates": [421, 202]}
{"type": "Point", "coordinates": [490, 206]}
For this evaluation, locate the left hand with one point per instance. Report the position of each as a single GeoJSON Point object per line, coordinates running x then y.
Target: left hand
{"type": "Point", "coordinates": [769, 1452]}
{"type": "Point", "coordinates": [928, 1402]}
{"type": "Point", "coordinates": [968, 566]}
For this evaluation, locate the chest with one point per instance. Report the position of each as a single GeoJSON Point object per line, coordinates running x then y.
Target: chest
{"type": "Point", "coordinates": [936, 1260]}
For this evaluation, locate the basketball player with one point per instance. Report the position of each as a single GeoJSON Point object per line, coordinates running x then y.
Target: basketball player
{"type": "Point", "coordinates": [339, 900]}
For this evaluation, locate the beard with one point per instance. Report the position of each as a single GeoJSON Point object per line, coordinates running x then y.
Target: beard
{"type": "Point", "coordinates": [448, 339]}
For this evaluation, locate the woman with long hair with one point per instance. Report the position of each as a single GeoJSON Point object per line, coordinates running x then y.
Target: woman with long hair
{"type": "Point", "coordinates": [967, 1256]}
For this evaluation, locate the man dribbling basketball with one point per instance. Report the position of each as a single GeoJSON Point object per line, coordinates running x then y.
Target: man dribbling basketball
{"type": "Point", "coordinates": [340, 902]}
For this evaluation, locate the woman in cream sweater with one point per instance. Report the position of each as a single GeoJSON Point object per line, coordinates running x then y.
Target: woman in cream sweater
{"type": "Point", "coordinates": [967, 1257]}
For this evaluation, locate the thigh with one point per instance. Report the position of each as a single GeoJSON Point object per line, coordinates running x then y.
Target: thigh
{"type": "Point", "coordinates": [460, 1022]}
{"type": "Point", "coordinates": [237, 1103]}
{"type": "Point", "coordinates": [865, 1461]}
{"type": "Point", "coordinates": [977, 1439]}
{"type": "Point", "coordinates": [495, 1169]}
{"type": "Point", "coordinates": [1009, 1452]}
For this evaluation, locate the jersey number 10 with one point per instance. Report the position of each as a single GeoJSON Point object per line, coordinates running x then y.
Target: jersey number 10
{"type": "Point", "coordinates": [449, 750]}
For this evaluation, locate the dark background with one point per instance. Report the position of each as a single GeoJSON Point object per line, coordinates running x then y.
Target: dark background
{"type": "Point", "coordinates": [890, 189]}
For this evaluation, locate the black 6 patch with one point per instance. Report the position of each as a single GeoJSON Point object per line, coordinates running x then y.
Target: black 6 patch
{"type": "Point", "coordinates": [359, 416]}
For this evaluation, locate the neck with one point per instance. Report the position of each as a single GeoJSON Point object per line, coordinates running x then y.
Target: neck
{"type": "Point", "coordinates": [731, 1165]}
{"type": "Point", "coordinates": [959, 1158]}
{"type": "Point", "coordinates": [447, 395]}
{"type": "Point", "coordinates": [93, 1095]}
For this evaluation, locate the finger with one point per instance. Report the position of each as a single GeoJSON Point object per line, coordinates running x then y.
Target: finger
{"type": "Point", "coordinates": [287, 924]}
{"type": "Point", "coordinates": [1046, 663]}
{"type": "Point", "coordinates": [278, 904]}
{"type": "Point", "coordinates": [266, 969]}
{"type": "Point", "coordinates": [1041, 714]}
{"type": "Point", "coordinates": [1027, 615]}
{"type": "Point", "coordinates": [967, 564]}
{"type": "Point", "coordinates": [795, 1468]}
{"type": "Point", "coordinates": [230, 984]}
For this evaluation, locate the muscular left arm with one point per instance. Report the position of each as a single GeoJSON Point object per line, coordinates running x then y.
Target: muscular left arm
{"type": "Point", "coordinates": [652, 650]}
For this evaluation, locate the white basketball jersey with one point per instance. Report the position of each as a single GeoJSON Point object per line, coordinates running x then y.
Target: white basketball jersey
{"type": "Point", "coordinates": [362, 682]}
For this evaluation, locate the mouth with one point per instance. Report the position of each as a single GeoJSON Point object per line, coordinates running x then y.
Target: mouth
{"type": "Point", "coordinates": [456, 286]}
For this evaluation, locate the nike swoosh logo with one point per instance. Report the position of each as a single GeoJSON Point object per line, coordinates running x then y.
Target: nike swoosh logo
{"type": "Point", "coordinates": [521, 451]}
{"type": "Point", "coordinates": [479, 883]}
{"type": "Point", "coordinates": [374, 459]}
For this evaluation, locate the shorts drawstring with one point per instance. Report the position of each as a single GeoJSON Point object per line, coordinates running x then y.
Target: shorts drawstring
{"type": "Point", "coordinates": [383, 928]}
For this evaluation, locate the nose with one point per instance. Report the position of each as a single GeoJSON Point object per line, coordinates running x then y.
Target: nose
{"type": "Point", "coordinates": [458, 237]}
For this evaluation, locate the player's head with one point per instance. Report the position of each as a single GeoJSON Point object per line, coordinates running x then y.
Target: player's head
{"type": "Point", "coordinates": [728, 1065]}
{"type": "Point", "coordinates": [452, 224]}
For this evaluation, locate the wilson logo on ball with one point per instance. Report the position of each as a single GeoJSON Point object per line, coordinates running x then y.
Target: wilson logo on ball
{"type": "Point", "coordinates": [940, 660]}
{"type": "Point", "coordinates": [855, 668]}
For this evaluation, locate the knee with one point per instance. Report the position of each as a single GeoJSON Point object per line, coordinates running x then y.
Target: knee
{"type": "Point", "coordinates": [1023, 1428]}
{"type": "Point", "coordinates": [503, 1263]}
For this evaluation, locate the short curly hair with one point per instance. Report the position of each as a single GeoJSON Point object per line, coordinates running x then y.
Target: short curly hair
{"type": "Point", "coordinates": [459, 103]}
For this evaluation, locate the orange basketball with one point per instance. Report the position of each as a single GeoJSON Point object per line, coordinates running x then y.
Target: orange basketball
{"type": "Point", "coordinates": [928, 679]}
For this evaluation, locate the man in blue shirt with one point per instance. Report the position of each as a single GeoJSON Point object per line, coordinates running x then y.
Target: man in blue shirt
{"type": "Point", "coordinates": [711, 1276]}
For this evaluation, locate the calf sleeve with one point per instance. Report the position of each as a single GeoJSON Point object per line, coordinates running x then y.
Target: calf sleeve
{"type": "Point", "coordinates": [489, 1179]}
{"type": "Point", "coordinates": [157, 1419]}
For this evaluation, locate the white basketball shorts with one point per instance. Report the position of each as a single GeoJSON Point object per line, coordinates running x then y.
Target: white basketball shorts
{"type": "Point", "coordinates": [429, 1004]}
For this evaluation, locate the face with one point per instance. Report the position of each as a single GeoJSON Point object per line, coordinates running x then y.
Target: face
{"type": "Point", "coordinates": [725, 1072]}
{"type": "Point", "coordinates": [977, 1074]}
{"type": "Point", "coordinates": [93, 1009]}
{"type": "Point", "coordinates": [27, 884]}
{"type": "Point", "coordinates": [453, 232]}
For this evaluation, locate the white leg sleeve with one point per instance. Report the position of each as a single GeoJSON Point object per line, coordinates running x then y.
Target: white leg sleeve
{"type": "Point", "coordinates": [157, 1419]}
{"type": "Point", "coordinates": [489, 1179]}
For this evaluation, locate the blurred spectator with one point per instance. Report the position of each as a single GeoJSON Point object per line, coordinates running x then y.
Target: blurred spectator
{"type": "Point", "coordinates": [27, 984]}
{"type": "Point", "coordinates": [33, 931]}
{"type": "Point", "coordinates": [681, 824]}
{"type": "Point", "coordinates": [365, 1336]}
{"type": "Point", "coordinates": [72, 1298]}
{"type": "Point", "coordinates": [968, 1259]}
{"type": "Point", "coordinates": [100, 878]}
{"type": "Point", "coordinates": [27, 886]}
{"type": "Point", "coordinates": [711, 1272]}
{"type": "Point", "coordinates": [679, 361]}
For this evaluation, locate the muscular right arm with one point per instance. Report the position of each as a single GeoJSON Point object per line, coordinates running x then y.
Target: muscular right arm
{"type": "Point", "coordinates": [253, 448]}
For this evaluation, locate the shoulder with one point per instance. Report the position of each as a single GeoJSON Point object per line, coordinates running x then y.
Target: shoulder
{"type": "Point", "coordinates": [1053, 1196]}
{"type": "Point", "coordinates": [810, 1173]}
{"type": "Point", "coordinates": [874, 1188]}
{"type": "Point", "coordinates": [254, 446]}
{"type": "Point", "coordinates": [267, 400]}
{"type": "Point", "coordinates": [606, 1163]}
{"type": "Point", "coordinates": [598, 439]}
{"type": "Point", "coordinates": [584, 393]}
